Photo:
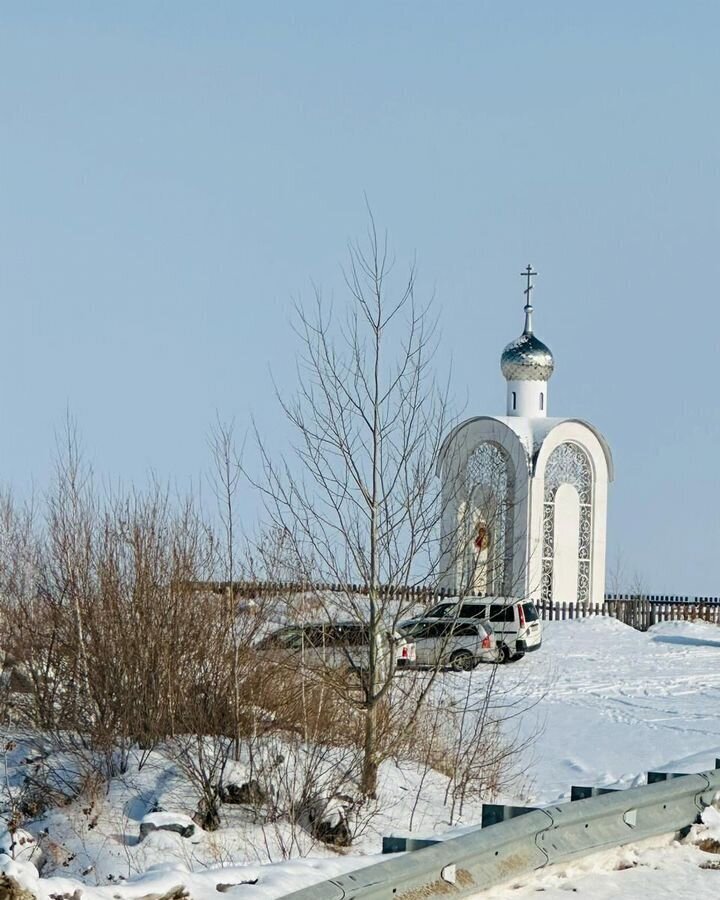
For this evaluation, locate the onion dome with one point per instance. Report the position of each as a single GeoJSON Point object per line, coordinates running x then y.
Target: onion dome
{"type": "Point", "coordinates": [527, 358]}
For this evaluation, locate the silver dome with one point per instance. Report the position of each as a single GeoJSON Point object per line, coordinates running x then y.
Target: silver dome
{"type": "Point", "coordinates": [527, 359]}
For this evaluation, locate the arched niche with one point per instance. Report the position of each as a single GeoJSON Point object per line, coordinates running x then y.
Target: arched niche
{"type": "Point", "coordinates": [488, 527]}
{"type": "Point", "coordinates": [567, 540]}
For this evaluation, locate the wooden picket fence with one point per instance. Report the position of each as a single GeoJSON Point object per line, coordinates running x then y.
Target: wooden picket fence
{"type": "Point", "coordinates": [638, 611]}
{"type": "Point", "coordinates": [404, 593]}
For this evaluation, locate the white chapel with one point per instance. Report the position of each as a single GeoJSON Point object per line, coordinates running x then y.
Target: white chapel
{"type": "Point", "coordinates": [525, 494]}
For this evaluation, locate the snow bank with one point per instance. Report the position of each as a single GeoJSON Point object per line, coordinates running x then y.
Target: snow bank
{"type": "Point", "coordinates": [693, 631]}
{"type": "Point", "coordinates": [262, 882]}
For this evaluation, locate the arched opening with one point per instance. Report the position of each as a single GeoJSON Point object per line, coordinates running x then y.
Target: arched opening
{"type": "Point", "coordinates": [542, 400]}
{"type": "Point", "coordinates": [566, 530]}
{"type": "Point", "coordinates": [567, 525]}
{"type": "Point", "coordinates": [488, 524]}
{"type": "Point", "coordinates": [514, 400]}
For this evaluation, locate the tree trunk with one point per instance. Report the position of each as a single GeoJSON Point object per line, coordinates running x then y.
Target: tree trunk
{"type": "Point", "coordinates": [370, 766]}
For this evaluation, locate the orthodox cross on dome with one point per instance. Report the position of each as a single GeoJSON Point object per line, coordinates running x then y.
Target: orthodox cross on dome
{"type": "Point", "coordinates": [528, 274]}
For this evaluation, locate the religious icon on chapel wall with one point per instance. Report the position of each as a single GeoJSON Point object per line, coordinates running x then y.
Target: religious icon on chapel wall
{"type": "Point", "coordinates": [482, 538]}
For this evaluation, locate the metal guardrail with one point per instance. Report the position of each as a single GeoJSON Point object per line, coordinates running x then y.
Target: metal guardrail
{"type": "Point", "coordinates": [479, 859]}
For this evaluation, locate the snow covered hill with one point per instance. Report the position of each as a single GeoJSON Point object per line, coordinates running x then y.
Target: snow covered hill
{"type": "Point", "coordinates": [615, 703]}
{"type": "Point", "coordinates": [603, 702]}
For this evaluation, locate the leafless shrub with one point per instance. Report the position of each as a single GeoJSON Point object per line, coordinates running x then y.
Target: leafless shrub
{"type": "Point", "coordinates": [101, 607]}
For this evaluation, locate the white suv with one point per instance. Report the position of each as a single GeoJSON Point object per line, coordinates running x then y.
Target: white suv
{"type": "Point", "coordinates": [516, 622]}
{"type": "Point", "coordinates": [459, 644]}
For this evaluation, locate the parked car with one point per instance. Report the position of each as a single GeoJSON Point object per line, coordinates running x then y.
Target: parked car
{"type": "Point", "coordinates": [339, 645]}
{"type": "Point", "coordinates": [458, 643]}
{"type": "Point", "coordinates": [515, 621]}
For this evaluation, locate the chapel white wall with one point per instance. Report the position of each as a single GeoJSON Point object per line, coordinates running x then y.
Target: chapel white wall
{"type": "Point", "coordinates": [528, 510]}
{"type": "Point", "coordinates": [527, 399]}
{"type": "Point", "coordinates": [569, 431]}
{"type": "Point", "coordinates": [566, 531]}
{"type": "Point", "coordinates": [460, 445]}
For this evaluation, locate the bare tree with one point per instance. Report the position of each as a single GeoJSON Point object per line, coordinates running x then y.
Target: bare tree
{"type": "Point", "coordinates": [358, 496]}
{"type": "Point", "coordinates": [224, 479]}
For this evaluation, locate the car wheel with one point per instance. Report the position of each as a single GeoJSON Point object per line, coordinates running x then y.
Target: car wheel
{"type": "Point", "coordinates": [462, 661]}
{"type": "Point", "coordinates": [506, 655]}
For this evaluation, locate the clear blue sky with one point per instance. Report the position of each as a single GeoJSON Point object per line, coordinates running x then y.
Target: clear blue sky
{"type": "Point", "coordinates": [172, 174]}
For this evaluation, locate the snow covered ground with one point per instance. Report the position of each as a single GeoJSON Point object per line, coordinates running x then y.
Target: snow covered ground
{"type": "Point", "coordinates": [615, 703]}
{"type": "Point", "coordinates": [607, 703]}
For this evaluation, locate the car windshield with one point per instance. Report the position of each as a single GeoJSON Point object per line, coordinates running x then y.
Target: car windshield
{"type": "Point", "coordinates": [466, 629]}
{"type": "Point", "coordinates": [414, 629]}
{"type": "Point", "coordinates": [444, 628]}
{"type": "Point", "coordinates": [531, 613]}
{"type": "Point", "coordinates": [347, 635]}
{"type": "Point", "coordinates": [502, 612]}
{"type": "Point", "coordinates": [441, 610]}
{"type": "Point", "coordinates": [472, 610]}
{"type": "Point", "coordinates": [285, 637]}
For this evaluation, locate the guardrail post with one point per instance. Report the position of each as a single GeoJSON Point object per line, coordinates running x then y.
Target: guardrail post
{"type": "Point", "coordinates": [394, 844]}
{"type": "Point", "coordinates": [492, 813]}
{"type": "Point", "coordinates": [655, 777]}
{"type": "Point", "coordinates": [578, 792]}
